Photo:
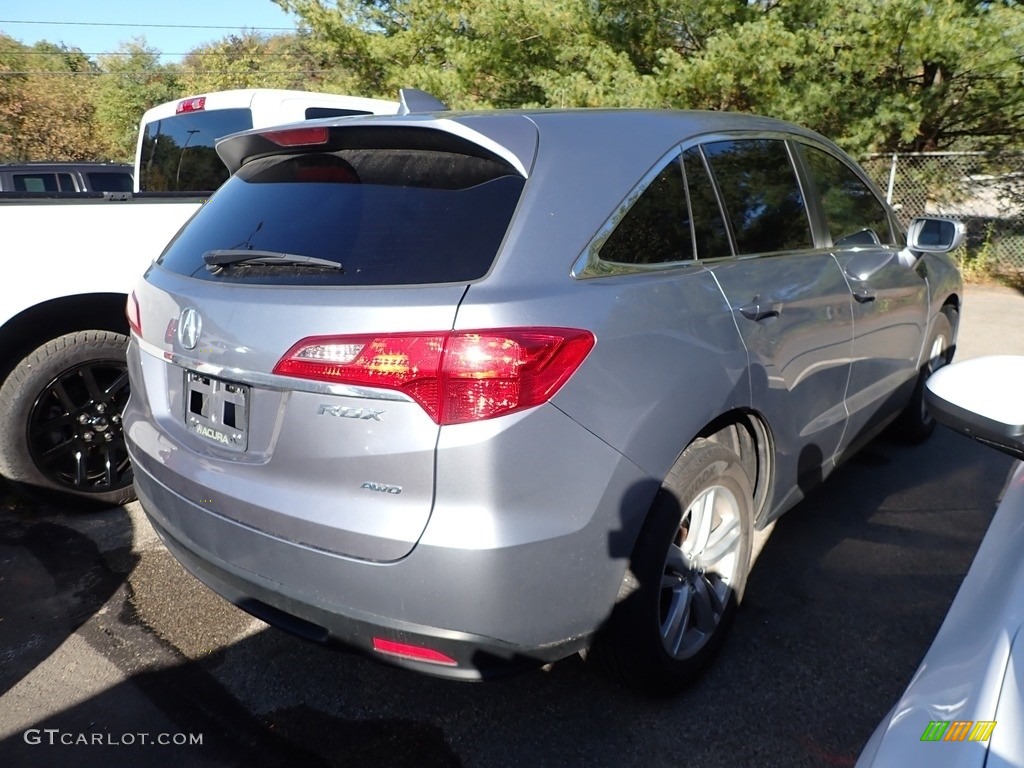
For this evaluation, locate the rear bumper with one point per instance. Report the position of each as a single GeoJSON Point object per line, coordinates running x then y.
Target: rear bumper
{"type": "Point", "coordinates": [477, 612]}
{"type": "Point", "coordinates": [472, 657]}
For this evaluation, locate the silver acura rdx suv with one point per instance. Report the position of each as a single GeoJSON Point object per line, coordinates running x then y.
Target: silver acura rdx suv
{"type": "Point", "coordinates": [474, 391]}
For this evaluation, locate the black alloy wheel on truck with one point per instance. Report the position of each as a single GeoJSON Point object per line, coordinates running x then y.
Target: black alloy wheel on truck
{"type": "Point", "coordinates": [60, 424]}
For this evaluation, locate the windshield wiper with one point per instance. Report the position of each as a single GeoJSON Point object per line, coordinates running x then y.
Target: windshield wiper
{"type": "Point", "coordinates": [217, 259]}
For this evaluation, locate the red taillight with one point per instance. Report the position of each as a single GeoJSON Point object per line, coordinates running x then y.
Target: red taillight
{"type": "Point", "coordinates": [297, 137]}
{"type": "Point", "coordinates": [197, 104]}
{"type": "Point", "coordinates": [456, 377]}
{"type": "Point", "coordinates": [414, 652]}
{"type": "Point", "coordinates": [488, 373]}
{"type": "Point", "coordinates": [131, 310]}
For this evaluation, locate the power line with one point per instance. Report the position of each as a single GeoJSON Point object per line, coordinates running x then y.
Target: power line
{"type": "Point", "coordinates": [130, 53]}
{"type": "Point", "coordinates": [189, 73]}
{"type": "Point", "coordinates": [148, 26]}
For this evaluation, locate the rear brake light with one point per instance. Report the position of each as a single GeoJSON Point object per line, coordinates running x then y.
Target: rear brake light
{"type": "Point", "coordinates": [131, 310]}
{"type": "Point", "coordinates": [197, 104]}
{"type": "Point", "coordinates": [457, 376]}
{"type": "Point", "coordinates": [297, 137]}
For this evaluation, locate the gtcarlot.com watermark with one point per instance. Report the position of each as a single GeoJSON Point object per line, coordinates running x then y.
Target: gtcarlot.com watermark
{"type": "Point", "coordinates": [57, 737]}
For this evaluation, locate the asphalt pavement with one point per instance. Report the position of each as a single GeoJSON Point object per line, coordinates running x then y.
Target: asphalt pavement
{"type": "Point", "coordinates": [111, 655]}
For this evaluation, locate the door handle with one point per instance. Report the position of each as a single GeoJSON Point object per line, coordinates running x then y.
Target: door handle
{"type": "Point", "coordinates": [755, 310]}
{"type": "Point", "coordinates": [864, 295]}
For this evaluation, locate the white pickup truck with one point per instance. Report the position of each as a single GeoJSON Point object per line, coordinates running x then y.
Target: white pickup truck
{"type": "Point", "coordinates": [70, 262]}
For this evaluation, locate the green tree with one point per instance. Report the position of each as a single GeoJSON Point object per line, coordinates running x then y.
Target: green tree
{"type": "Point", "coordinates": [903, 74]}
{"type": "Point", "coordinates": [46, 103]}
{"type": "Point", "coordinates": [472, 53]}
{"type": "Point", "coordinates": [12, 85]}
{"type": "Point", "coordinates": [251, 60]}
{"type": "Point", "coordinates": [133, 81]}
{"type": "Point", "coordinates": [644, 28]}
{"type": "Point", "coordinates": [906, 74]}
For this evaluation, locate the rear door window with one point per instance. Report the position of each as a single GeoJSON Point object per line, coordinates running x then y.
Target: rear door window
{"type": "Point", "coordinates": [762, 197]}
{"type": "Point", "coordinates": [384, 216]}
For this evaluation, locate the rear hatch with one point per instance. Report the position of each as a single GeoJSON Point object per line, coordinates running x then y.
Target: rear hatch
{"type": "Point", "coordinates": [287, 334]}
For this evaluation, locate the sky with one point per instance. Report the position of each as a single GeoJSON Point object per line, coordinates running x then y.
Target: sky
{"type": "Point", "coordinates": [170, 26]}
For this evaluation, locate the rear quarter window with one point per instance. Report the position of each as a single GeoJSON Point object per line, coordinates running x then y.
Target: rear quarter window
{"type": "Point", "coordinates": [386, 216]}
{"type": "Point", "coordinates": [656, 228]}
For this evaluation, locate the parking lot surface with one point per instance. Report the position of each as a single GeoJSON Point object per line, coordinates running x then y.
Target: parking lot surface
{"type": "Point", "coordinates": [110, 654]}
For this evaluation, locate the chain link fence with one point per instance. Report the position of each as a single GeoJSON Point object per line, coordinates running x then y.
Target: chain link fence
{"type": "Point", "coordinates": [985, 191]}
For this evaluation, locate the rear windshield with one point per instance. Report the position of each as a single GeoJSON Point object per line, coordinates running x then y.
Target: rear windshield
{"type": "Point", "coordinates": [178, 153]}
{"type": "Point", "coordinates": [387, 217]}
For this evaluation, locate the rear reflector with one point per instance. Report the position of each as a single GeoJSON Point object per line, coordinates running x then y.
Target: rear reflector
{"type": "Point", "coordinates": [197, 104]}
{"type": "Point", "coordinates": [414, 652]}
{"type": "Point", "coordinates": [131, 310]}
{"type": "Point", "coordinates": [297, 137]}
{"type": "Point", "coordinates": [456, 376]}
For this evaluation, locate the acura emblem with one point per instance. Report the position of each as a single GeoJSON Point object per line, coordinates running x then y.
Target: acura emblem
{"type": "Point", "coordinates": [189, 327]}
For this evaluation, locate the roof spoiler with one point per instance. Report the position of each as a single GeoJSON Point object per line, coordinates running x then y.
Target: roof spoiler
{"type": "Point", "coordinates": [414, 100]}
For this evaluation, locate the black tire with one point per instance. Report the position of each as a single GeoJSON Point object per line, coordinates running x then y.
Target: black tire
{"type": "Point", "coordinates": [915, 424]}
{"type": "Point", "coordinates": [60, 427]}
{"type": "Point", "coordinates": [675, 605]}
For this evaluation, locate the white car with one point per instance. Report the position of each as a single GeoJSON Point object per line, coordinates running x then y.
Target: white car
{"type": "Point", "coordinates": [964, 705]}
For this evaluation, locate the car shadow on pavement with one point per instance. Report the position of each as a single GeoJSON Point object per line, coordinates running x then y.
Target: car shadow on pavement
{"type": "Point", "coordinates": [843, 601]}
{"type": "Point", "coordinates": [855, 581]}
{"type": "Point", "coordinates": [54, 577]}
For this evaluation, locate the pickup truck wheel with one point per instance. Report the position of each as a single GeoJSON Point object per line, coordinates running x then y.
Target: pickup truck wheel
{"type": "Point", "coordinates": [915, 424]}
{"type": "Point", "coordinates": [60, 428]}
{"type": "Point", "coordinates": [686, 574]}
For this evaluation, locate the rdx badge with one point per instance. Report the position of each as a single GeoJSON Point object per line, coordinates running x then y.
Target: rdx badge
{"type": "Point", "coordinates": [343, 412]}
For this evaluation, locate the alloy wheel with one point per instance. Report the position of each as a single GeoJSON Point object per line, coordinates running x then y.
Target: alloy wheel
{"type": "Point", "coordinates": [75, 433]}
{"type": "Point", "coordinates": [699, 570]}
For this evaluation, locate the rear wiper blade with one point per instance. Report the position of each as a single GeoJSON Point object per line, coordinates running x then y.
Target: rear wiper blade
{"type": "Point", "coordinates": [224, 257]}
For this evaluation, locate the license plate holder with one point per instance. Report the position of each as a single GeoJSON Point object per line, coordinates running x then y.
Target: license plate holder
{"type": "Point", "coordinates": [217, 411]}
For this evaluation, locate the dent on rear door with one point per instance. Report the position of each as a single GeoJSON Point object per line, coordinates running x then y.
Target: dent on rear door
{"type": "Point", "coordinates": [799, 351]}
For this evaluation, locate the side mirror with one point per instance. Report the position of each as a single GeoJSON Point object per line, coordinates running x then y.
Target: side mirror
{"type": "Point", "coordinates": [935, 234]}
{"type": "Point", "coordinates": [982, 398]}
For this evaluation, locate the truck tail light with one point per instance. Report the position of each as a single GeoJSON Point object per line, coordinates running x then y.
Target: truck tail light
{"type": "Point", "coordinates": [456, 376]}
{"type": "Point", "coordinates": [197, 104]}
{"type": "Point", "coordinates": [131, 310]}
